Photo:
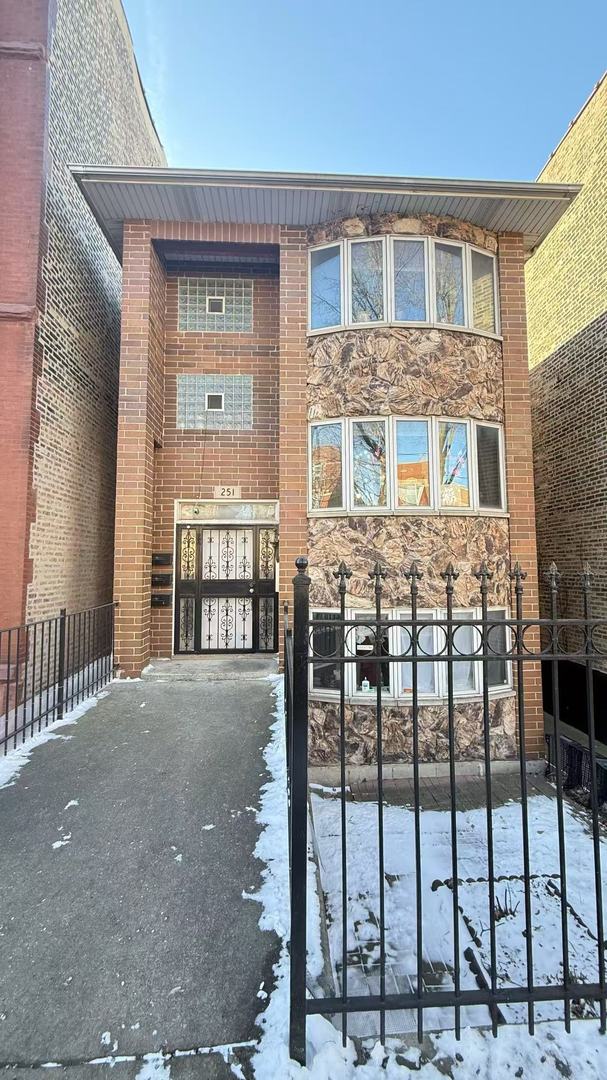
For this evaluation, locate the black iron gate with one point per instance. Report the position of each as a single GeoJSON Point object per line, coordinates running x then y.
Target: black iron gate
{"type": "Point", "coordinates": [515, 641]}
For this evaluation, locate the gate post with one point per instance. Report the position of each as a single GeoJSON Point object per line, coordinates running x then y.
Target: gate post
{"type": "Point", "coordinates": [299, 811]}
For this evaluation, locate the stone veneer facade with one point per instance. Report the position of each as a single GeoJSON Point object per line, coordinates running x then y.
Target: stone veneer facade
{"type": "Point", "coordinates": [417, 372]}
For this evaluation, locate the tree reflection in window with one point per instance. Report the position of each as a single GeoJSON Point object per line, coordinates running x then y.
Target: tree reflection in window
{"type": "Point", "coordinates": [326, 467]}
{"type": "Point", "coordinates": [449, 284]}
{"type": "Point", "coordinates": [453, 448]}
{"type": "Point", "coordinates": [367, 281]}
{"type": "Point", "coordinates": [326, 643]}
{"type": "Point", "coordinates": [369, 463]}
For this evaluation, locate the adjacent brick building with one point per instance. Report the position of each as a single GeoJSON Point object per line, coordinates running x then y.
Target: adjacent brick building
{"type": "Point", "coordinates": [69, 92]}
{"type": "Point", "coordinates": [566, 281]}
{"type": "Point", "coordinates": [339, 363]}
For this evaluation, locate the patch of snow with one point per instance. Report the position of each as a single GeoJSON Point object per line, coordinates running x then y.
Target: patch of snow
{"type": "Point", "coordinates": [65, 839]}
{"type": "Point", "coordinates": [551, 1053]}
{"type": "Point", "coordinates": [13, 762]}
{"type": "Point", "coordinates": [72, 802]}
{"type": "Point", "coordinates": [154, 1067]}
{"type": "Point", "coordinates": [179, 858]}
{"type": "Point", "coordinates": [106, 1038]}
{"type": "Point", "coordinates": [206, 828]}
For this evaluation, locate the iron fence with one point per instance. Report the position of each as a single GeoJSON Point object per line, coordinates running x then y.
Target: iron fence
{"type": "Point", "coordinates": [49, 667]}
{"type": "Point", "coordinates": [521, 643]}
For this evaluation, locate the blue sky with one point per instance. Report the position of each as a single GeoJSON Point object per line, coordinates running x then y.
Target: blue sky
{"type": "Point", "coordinates": [479, 88]}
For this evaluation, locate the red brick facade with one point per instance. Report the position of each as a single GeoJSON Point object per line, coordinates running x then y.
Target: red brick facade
{"type": "Point", "coordinates": [159, 463]}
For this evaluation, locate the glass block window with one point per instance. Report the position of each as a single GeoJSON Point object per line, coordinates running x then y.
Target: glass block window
{"type": "Point", "coordinates": [219, 305]}
{"type": "Point", "coordinates": [196, 392]}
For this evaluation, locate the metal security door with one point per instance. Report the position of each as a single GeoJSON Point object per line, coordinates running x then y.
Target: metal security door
{"type": "Point", "coordinates": [226, 589]}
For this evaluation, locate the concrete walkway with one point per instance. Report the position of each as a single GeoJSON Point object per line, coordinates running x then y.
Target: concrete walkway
{"type": "Point", "coordinates": [124, 852]}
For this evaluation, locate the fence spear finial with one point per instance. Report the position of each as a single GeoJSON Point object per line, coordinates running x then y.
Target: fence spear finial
{"type": "Point", "coordinates": [553, 576]}
{"type": "Point", "coordinates": [450, 576]}
{"type": "Point", "coordinates": [342, 574]}
{"type": "Point", "coordinates": [517, 575]}
{"type": "Point", "coordinates": [587, 577]}
{"type": "Point", "coordinates": [377, 574]}
{"type": "Point", "coordinates": [484, 576]}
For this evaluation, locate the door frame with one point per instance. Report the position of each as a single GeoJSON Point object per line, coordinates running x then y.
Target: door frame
{"type": "Point", "coordinates": [256, 527]}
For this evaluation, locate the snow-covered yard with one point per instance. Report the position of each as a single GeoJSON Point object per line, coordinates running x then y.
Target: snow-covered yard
{"type": "Point", "coordinates": [550, 1053]}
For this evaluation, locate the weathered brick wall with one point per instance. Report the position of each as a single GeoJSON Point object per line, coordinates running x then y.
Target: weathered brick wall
{"type": "Point", "coordinates": [96, 114]}
{"type": "Point", "coordinates": [567, 276]}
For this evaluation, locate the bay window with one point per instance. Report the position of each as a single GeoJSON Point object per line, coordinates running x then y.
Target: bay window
{"type": "Point", "coordinates": [420, 280]}
{"type": "Point", "coordinates": [406, 465]}
{"type": "Point", "coordinates": [365, 664]}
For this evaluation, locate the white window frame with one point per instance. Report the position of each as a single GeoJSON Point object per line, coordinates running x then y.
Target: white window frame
{"type": "Point", "coordinates": [464, 325]}
{"type": "Point", "coordinates": [395, 420]}
{"type": "Point", "coordinates": [469, 694]}
{"type": "Point", "coordinates": [350, 244]}
{"type": "Point", "coordinates": [317, 691]}
{"type": "Point", "coordinates": [345, 484]}
{"type": "Point", "coordinates": [353, 507]}
{"type": "Point", "coordinates": [502, 456]}
{"type": "Point", "coordinates": [490, 255]}
{"type": "Point", "coordinates": [214, 393]}
{"type": "Point", "coordinates": [423, 615]}
{"type": "Point", "coordinates": [392, 240]}
{"type": "Point", "coordinates": [222, 299]}
{"type": "Point", "coordinates": [471, 507]}
{"type": "Point", "coordinates": [340, 244]}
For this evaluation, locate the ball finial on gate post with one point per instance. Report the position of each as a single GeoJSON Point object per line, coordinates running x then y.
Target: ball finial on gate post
{"type": "Point", "coordinates": [301, 563]}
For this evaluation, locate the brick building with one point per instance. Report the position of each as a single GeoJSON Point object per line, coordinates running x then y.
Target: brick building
{"type": "Point", "coordinates": [69, 91]}
{"type": "Point", "coordinates": [566, 282]}
{"type": "Point", "coordinates": [339, 363]}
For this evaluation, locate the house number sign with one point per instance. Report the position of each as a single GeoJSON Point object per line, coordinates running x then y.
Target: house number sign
{"type": "Point", "coordinates": [226, 491]}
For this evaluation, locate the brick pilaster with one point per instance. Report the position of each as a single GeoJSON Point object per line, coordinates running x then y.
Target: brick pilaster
{"type": "Point", "coordinates": [140, 418]}
{"type": "Point", "coordinates": [292, 404]}
{"type": "Point", "coordinates": [519, 459]}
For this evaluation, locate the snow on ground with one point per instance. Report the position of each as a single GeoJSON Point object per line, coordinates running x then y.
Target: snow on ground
{"type": "Point", "coordinates": [12, 763]}
{"type": "Point", "coordinates": [551, 1053]}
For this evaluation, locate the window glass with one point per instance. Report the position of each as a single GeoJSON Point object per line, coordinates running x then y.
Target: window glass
{"type": "Point", "coordinates": [426, 675]}
{"type": "Point", "coordinates": [325, 287]}
{"type": "Point", "coordinates": [488, 467]}
{"type": "Point", "coordinates": [327, 473]}
{"type": "Point", "coordinates": [449, 284]}
{"type": "Point", "coordinates": [412, 463]}
{"type": "Point", "coordinates": [453, 464]}
{"type": "Point", "coordinates": [465, 640]}
{"type": "Point", "coordinates": [367, 280]}
{"type": "Point", "coordinates": [497, 642]}
{"type": "Point", "coordinates": [409, 281]}
{"type": "Point", "coordinates": [483, 293]}
{"type": "Point", "coordinates": [326, 643]}
{"type": "Point", "coordinates": [368, 670]}
{"type": "Point", "coordinates": [369, 463]}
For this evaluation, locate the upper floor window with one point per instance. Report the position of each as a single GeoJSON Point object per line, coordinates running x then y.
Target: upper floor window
{"type": "Point", "coordinates": [388, 279]}
{"type": "Point", "coordinates": [216, 305]}
{"type": "Point", "coordinates": [406, 464]}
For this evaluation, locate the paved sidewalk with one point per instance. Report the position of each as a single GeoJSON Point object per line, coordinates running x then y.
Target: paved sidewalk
{"type": "Point", "coordinates": [124, 852]}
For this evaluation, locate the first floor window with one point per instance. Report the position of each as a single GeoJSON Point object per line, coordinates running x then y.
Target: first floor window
{"type": "Point", "coordinates": [453, 464]}
{"type": "Point", "coordinates": [425, 646]}
{"type": "Point", "coordinates": [326, 643]}
{"type": "Point", "coordinates": [326, 466]}
{"type": "Point", "coordinates": [412, 463]}
{"type": "Point", "coordinates": [368, 670]}
{"type": "Point", "coordinates": [465, 640]}
{"type": "Point", "coordinates": [369, 466]}
{"type": "Point", "coordinates": [325, 287]}
{"type": "Point", "coordinates": [497, 642]}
